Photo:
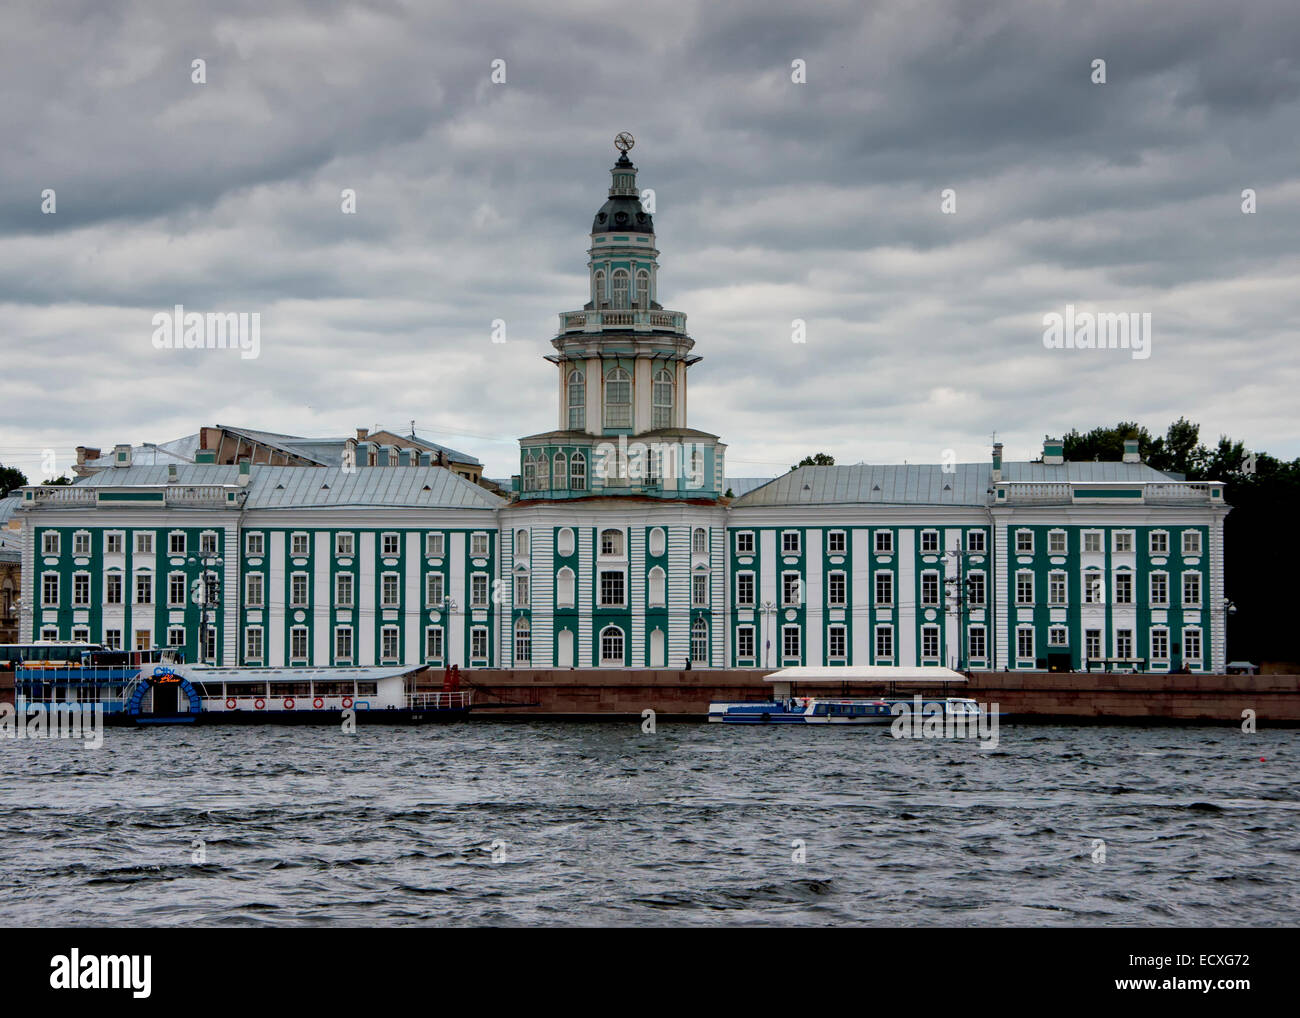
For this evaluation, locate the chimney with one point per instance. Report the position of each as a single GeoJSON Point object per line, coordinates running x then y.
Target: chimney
{"type": "Point", "coordinates": [85, 452]}
{"type": "Point", "coordinates": [997, 461]}
{"type": "Point", "coordinates": [1131, 451]}
{"type": "Point", "coordinates": [362, 433]}
{"type": "Point", "coordinates": [121, 455]}
{"type": "Point", "coordinates": [1053, 451]}
{"type": "Point", "coordinates": [243, 477]}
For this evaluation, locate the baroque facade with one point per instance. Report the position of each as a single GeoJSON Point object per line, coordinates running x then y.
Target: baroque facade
{"type": "Point", "coordinates": [620, 547]}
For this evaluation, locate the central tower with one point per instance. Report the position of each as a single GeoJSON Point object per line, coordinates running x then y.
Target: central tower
{"type": "Point", "coordinates": [622, 363]}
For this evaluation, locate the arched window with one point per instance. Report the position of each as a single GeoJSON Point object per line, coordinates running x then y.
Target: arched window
{"type": "Point", "coordinates": [642, 289]}
{"type": "Point", "coordinates": [655, 596]}
{"type": "Point", "coordinates": [521, 544]}
{"type": "Point", "coordinates": [620, 295]}
{"type": "Point", "coordinates": [611, 646]}
{"type": "Point", "coordinates": [618, 399]}
{"type": "Point", "coordinates": [577, 401]}
{"type": "Point", "coordinates": [564, 588]}
{"type": "Point", "coordinates": [611, 544]}
{"type": "Point", "coordinates": [697, 469]}
{"type": "Point", "coordinates": [700, 541]}
{"type": "Point", "coordinates": [657, 541]}
{"type": "Point", "coordinates": [523, 643]}
{"type": "Point", "coordinates": [600, 297]}
{"type": "Point", "coordinates": [530, 473]}
{"type": "Point", "coordinates": [561, 471]}
{"type": "Point", "coordinates": [543, 467]}
{"type": "Point", "coordinates": [578, 472]}
{"type": "Point", "coordinates": [662, 397]}
{"type": "Point", "coordinates": [564, 541]}
{"type": "Point", "coordinates": [700, 642]}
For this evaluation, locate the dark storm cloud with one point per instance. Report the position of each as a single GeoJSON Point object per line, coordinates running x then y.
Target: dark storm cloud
{"type": "Point", "coordinates": [776, 202]}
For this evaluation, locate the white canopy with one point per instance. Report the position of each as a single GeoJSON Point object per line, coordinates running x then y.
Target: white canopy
{"type": "Point", "coordinates": [865, 675]}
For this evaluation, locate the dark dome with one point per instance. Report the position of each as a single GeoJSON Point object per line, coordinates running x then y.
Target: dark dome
{"type": "Point", "coordinates": [623, 214]}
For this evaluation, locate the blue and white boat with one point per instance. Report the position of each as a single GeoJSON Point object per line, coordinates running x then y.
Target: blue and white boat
{"type": "Point", "coordinates": [822, 696]}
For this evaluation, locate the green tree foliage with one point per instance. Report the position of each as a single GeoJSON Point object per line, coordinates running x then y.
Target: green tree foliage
{"type": "Point", "coordinates": [11, 478]}
{"type": "Point", "coordinates": [821, 459]}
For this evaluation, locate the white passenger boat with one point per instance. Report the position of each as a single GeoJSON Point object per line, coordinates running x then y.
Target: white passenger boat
{"type": "Point", "coordinates": [823, 696]}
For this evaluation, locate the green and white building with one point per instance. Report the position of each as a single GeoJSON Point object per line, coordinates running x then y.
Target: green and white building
{"type": "Point", "coordinates": [620, 549]}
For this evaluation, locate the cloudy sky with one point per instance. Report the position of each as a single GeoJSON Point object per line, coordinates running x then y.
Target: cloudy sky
{"type": "Point", "coordinates": [776, 200]}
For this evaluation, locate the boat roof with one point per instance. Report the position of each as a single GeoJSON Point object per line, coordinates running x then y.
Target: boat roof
{"type": "Point", "coordinates": [199, 672]}
{"type": "Point", "coordinates": [865, 675]}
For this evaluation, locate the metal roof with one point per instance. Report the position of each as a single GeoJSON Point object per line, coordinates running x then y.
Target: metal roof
{"type": "Point", "coordinates": [866, 675]}
{"type": "Point", "coordinates": [294, 487]}
{"type": "Point", "coordinates": [1082, 471]}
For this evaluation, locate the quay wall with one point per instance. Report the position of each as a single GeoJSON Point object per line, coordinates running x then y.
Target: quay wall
{"type": "Point", "coordinates": [1071, 695]}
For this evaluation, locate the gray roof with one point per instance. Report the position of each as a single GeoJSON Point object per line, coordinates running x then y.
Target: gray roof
{"type": "Point", "coordinates": [743, 485]}
{"type": "Point", "coordinates": [9, 547]}
{"type": "Point", "coordinates": [178, 450]}
{"type": "Point", "coordinates": [925, 484]}
{"type": "Point", "coordinates": [294, 487]}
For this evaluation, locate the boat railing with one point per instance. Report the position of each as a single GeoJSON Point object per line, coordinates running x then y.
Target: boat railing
{"type": "Point", "coordinates": [440, 701]}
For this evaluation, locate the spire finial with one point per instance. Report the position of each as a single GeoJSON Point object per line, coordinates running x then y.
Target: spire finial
{"type": "Point", "coordinates": [623, 141]}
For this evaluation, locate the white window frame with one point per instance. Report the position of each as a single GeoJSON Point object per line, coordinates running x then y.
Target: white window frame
{"type": "Point", "coordinates": [254, 544]}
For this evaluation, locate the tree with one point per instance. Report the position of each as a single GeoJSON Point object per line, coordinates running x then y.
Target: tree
{"type": "Point", "coordinates": [10, 478]}
{"type": "Point", "coordinates": [64, 479]}
{"type": "Point", "coordinates": [821, 459]}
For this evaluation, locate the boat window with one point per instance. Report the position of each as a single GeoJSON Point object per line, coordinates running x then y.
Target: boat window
{"type": "Point", "coordinates": [367, 688]}
{"type": "Point", "coordinates": [246, 689]}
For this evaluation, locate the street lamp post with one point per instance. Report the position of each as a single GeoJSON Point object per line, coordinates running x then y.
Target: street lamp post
{"type": "Point", "coordinates": [1228, 608]}
{"type": "Point", "coordinates": [768, 608]}
{"type": "Point", "coordinates": [205, 562]}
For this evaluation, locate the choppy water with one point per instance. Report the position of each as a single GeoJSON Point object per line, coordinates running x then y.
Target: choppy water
{"type": "Point", "coordinates": [603, 824]}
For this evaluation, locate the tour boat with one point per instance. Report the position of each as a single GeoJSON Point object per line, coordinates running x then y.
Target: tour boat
{"type": "Point", "coordinates": [790, 706]}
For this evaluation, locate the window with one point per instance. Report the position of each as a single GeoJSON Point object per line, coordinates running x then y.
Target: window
{"type": "Point", "coordinates": [745, 590]}
{"type": "Point", "coordinates": [80, 589]}
{"type": "Point", "coordinates": [1024, 542]}
{"type": "Point", "coordinates": [49, 633]}
{"type": "Point", "coordinates": [611, 588]}
{"type": "Point", "coordinates": [176, 544]}
{"type": "Point", "coordinates": [113, 588]}
{"type": "Point", "coordinates": [642, 288]}
{"type": "Point", "coordinates": [113, 639]}
{"type": "Point", "coordinates": [176, 636]}
{"type": "Point", "coordinates": [884, 589]}
{"type": "Point", "coordinates": [298, 590]}
{"type": "Point", "coordinates": [253, 590]}
{"type": "Point", "coordinates": [1056, 542]}
{"type": "Point", "coordinates": [929, 542]}
{"type": "Point", "coordinates": [1191, 590]}
{"type": "Point", "coordinates": [662, 395]}
{"type": "Point", "coordinates": [252, 644]}
{"type": "Point", "coordinates": [561, 473]}
{"type": "Point", "coordinates": [791, 589]}
{"type": "Point", "coordinates": [50, 588]}
{"type": "Point", "coordinates": [176, 589]}
{"type": "Point", "coordinates": [930, 588]}
{"type": "Point", "coordinates": [745, 643]}
{"type": "Point", "coordinates": [658, 542]}
{"type": "Point", "coordinates": [976, 643]}
{"type": "Point", "coordinates": [435, 545]}
{"type": "Point", "coordinates": [433, 643]}
{"type": "Point", "coordinates": [790, 542]}
{"type": "Point", "coordinates": [1191, 542]}
{"type": "Point", "coordinates": [601, 296]}
{"type": "Point", "coordinates": [144, 543]}
{"type": "Point", "coordinates": [929, 643]}
{"type": "Point", "coordinates": [1056, 588]}
{"type": "Point", "coordinates": [478, 545]}
{"type": "Point", "coordinates": [211, 588]}
{"type": "Point", "coordinates": [1123, 541]}
{"type": "Point", "coordinates": [530, 474]}
{"type": "Point", "coordinates": [343, 590]}
{"type": "Point", "coordinates": [1024, 587]}
{"type": "Point", "coordinates": [345, 545]}
{"type": "Point", "coordinates": [975, 590]}
{"type": "Point", "coordinates": [433, 589]}
{"type": "Point", "coordinates": [700, 590]}
{"type": "Point", "coordinates": [565, 586]}
{"type": "Point", "coordinates": [1124, 644]}
{"type": "Point", "coordinates": [1092, 644]}
{"type": "Point", "coordinates": [700, 541]}
{"type": "Point", "coordinates": [1160, 645]}
{"type": "Point", "coordinates": [790, 643]}
{"type": "Point", "coordinates": [144, 640]}
{"type": "Point", "coordinates": [745, 543]}
{"type": "Point", "coordinates": [81, 543]}
{"type": "Point", "coordinates": [884, 643]}
{"type": "Point", "coordinates": [699, 642]}
{"type": "Point", "coordinates": [620, 288]}
{"type": "Point", "coordinates": [1092, 587]}
{"type": "Point", "coordinates": [837, 594]}
{"type": "Point", "coordinates": [1057, 636]}
{"type": "Point", "coordinates": [113, 544]}
{"type": "Point", "coordinates": [144, 588]}
{"type": "Point", "coordinates": [521, 591]}
{"type": "Point", "coordinates": [577, 401]}
{"type": "Point", "coordinates": [298, 645]}
{"type": "Point", "coordinates": [1192, 644]}
{"type": "Point", "coordinates": [207, 544]}
{"type": "Point", "coordinates": [523, 643]}
{"type": "Point", "coordinates": [49, 543]}
{"type": "Point", "coordinates": [975, 541]}
{"type": "Point", "coordinates": [390, 545]}
{"type": "Point", "coordinates": [254, 544]}
{"type": "Point", "coordinates": [836, 542]}
{"type": "Point", "coordinates": [1025, 643]}
{"type": "Point", "coordinates": [884, 542]}
{"type": "Point", "coordinates": [611, 543]}
{"type": "Point", "coordinates": [611, 646]}
{"type": "Point", "coordinates": [578, 472]}
{"type": "Point", "coordinates": [1159, 588]}
{"type": "Point", "coordinates": [1092, 541]}
{"type": "Point", "coordinates": [837, 643]}
{"type": "Point", "coordinates": [1123, 588]}
{"type": "Point", "coordinates": [1159, 543]}
{"type": "Point", "coordinates": [389, 643]}
{"type": "Point", "coordinates": [478, 590]}
{"type": "Point", "coordinates": [618, 399]}
{"type": "Point", "coordinates": [343, 645]}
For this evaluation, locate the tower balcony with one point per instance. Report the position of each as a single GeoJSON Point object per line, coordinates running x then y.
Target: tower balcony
{"type": "Point", "coordinates": [623, 319]}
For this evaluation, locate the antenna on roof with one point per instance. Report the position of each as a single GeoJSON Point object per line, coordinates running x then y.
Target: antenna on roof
{"type": "Point", "coordinates": [412, 428]}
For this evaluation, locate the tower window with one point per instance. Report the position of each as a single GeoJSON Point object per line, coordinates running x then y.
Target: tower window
{"type": "Point", "coordinates": [618, 399]}
{"type": "Point", "coordinates": [561, 472]}
{"type": "Point", "coordinates": [642, 289]}
{"type": "Point", "coordinates": [620, 296]}
{"type": "Point", "coordinates": [600, 297]}
{"type": "Point", "coordinates": [577, 401]}
{"type": "Point", "coordinates": [578, 472]}
{"type": "Point", "coordinates": [663, 400]}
